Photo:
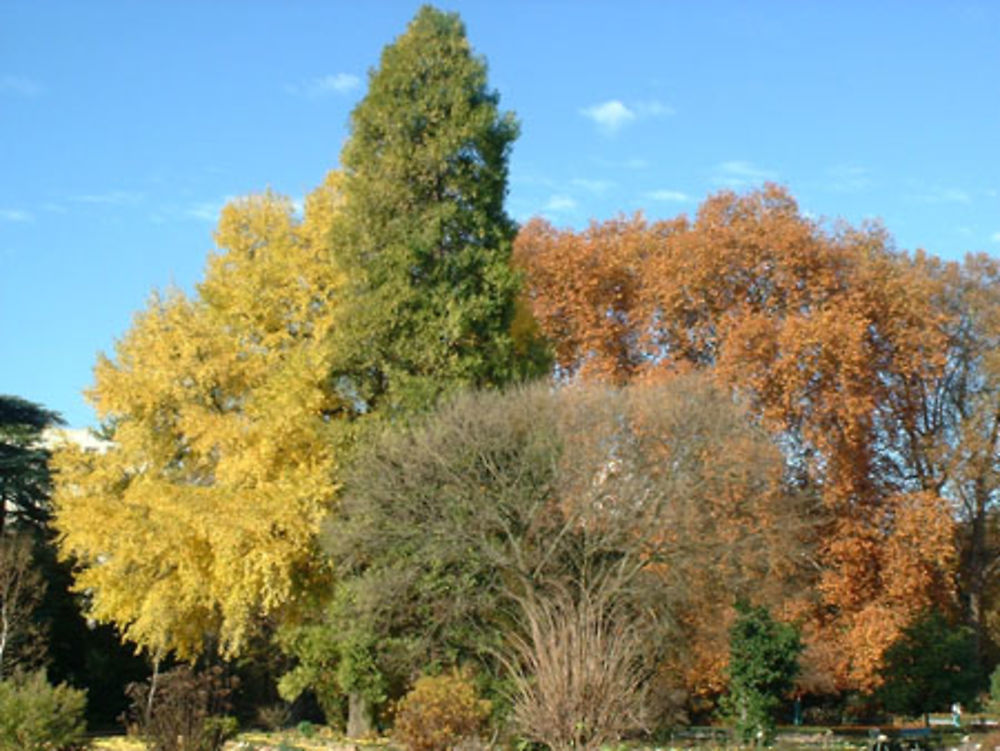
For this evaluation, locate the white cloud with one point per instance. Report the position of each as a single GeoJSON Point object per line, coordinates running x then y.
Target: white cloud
{"type": "Point", "coordinates": [594, 186]}
{"type": "Point", "coordinates": [206, 211]}
{"type": "Point", "coordinates": [846, 178]}
{"type": "Point", "coordinates": [995, 237]}
{"type": "Point", "coordinates": [19, 85]}
{"type": "Point", "coordinates": [614, 114]}
{"type": "Point", "coordinates": [19, 216]}
{"type": "Point", "coordinates": [111, 198]}
{"type": "Point", "coordinates": [654, 108]}
{"type": "Point", "coordinates": [560, 203]}
{"type": "Point", "coordinates": [941, 195]}
{"type": "Point", "coordinates": [740, 174]}
{"type": "Point", "coordinates": [675, 196]}
{"type": "Point", "coordinates": [610, 116]}
{"type": "Point", "coordinates": [634, 163]}
{"type": "Point", "coordinates": [317, 88]}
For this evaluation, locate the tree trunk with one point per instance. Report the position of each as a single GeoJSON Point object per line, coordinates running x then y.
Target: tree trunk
{"type": "Point", "coordinates": [359, 715]}
{"type": "Point", "coordinates": [152, 688]}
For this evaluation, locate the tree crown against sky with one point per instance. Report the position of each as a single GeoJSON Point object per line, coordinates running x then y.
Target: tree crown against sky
{"type": "Point", "coordinates": [608, 126]}
{"type": "Point", "coordinates": [427, 239]}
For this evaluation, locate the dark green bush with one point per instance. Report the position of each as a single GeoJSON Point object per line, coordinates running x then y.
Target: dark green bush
{"type": "Point", "coordinates": [188, 711]}
{"type": "Point", "coordinates": [37, 716]}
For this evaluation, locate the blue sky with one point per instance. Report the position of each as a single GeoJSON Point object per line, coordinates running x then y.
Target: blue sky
{"type": "Point", "coordinates": [124, 126]}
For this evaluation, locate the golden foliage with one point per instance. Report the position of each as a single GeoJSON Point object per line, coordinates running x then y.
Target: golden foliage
{"type": "Point", "coordinates": [202, 516]}
{"type": "Point", "coordinates": [439, 711]}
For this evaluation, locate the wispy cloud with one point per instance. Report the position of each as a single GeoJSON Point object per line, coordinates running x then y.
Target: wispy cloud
{"type": "Point", "coordinates": [324, 86]}
{"type": "Point", "coordinates": [614, 114]}
{"type": "Point", "coordinates": [532, 179]}
{"type": "Point", "coordinates": [741, 174]}
{"type": "Point", "coordinates": [19, 85]}
{"type": "Point", "coordinates": [847, 178]}
{"type": "Point", "coordinates": [633, 164]}
{"type": "Point", "coordinates": [941, 195]}
{"type": "Point", "coordinates": [654, 108]}
{"type": "Point", "coordinates": [594, 186]}
{"type": "Point", "coordinates": [995, 237]}
{"type": "Point", "coordinates": [206, 211]}
{"type": "Point", "coordinates": [110, 198]}
{"type": "Point", "coordinates": [610, 116]}
{"type": "Point", "coordinates": [673, 196]}
{"type": "Point", "coordinates": [560, 203]}
{"type": "Point", "coordinates": [19, 216]}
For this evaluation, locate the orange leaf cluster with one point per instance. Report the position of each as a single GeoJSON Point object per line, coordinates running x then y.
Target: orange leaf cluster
{"type": "Point", "coordinates": [830, 335]}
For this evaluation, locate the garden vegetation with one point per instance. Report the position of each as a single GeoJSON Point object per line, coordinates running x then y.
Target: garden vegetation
{"type": "Point", "coordinates": [398, 459]}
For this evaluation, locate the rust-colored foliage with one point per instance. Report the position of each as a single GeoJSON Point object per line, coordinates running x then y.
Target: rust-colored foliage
{"type": "Point", "coordinates": [831, 336]}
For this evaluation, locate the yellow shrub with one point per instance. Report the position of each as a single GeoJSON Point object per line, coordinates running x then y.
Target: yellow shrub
{"type": "Point", "coordinates": [438, 712]}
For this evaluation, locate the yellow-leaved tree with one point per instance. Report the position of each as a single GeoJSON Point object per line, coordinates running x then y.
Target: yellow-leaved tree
{"type": "Point", "coordinates": [201, 517]}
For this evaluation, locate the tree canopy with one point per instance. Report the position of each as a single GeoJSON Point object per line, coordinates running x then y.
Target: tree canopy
{"type": "Point", "coordinates": [832, 337]}
{"type": "Point", "coordinates": [25, 482]}
{"type": "Point", "coordinates": [665, 496]}
{"type": "Point", "coordinates": [201, 518]}
{"type": "Point", "coordinates": [432, 296]}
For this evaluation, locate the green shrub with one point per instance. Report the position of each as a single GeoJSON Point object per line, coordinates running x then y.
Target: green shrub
{"type": "Point", "coordinates": [37, 716]}
{"type": "Point", "coordinates": [439, 712]}
{"type": "Point", "coordinates": [187, 713]}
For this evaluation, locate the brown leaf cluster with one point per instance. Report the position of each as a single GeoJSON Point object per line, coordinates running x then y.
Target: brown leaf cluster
{"type": "Point", "coordinates": [833, 338]}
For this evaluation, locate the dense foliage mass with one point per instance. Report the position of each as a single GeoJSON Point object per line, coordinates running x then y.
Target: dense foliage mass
{"type": "Point", "coordinates": [36, 716]}
{"type": "Point", "coordinates": [452, 532]}
{"type": "Point", "coordinates": [201, 518]}
{"type": "Point", "coordinates": [439, 712]}
{"type": "Point", "coordinates": [763, 665]}
{"type": "Point", "coordinates": [427, 241]}
{"type": "Point", "coordinates": [875, 371]}
{"type": "Point", "coordinates": [327, 447]}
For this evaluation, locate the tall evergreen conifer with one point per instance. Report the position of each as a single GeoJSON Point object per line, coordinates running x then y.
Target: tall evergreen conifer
{"type": "Point", "coordinates": [428, 242]}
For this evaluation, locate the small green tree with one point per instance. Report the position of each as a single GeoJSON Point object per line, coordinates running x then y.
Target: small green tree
{"type": "Point", "coordinates": [763, 664]}
{"type": "Point", "coordinates": [37, 716]}
{"type": "Point", "coordinates": [932, 665]}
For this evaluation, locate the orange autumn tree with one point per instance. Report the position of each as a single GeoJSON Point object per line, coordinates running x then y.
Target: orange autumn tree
{"type": "Point", "coordinates": [828, 334]}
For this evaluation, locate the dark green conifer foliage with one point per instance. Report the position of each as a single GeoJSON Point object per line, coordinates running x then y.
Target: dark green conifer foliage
{"type": "Point", "coordinates": [427, 243]}
{"type": "Point", "coordinates": [763, 663]}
